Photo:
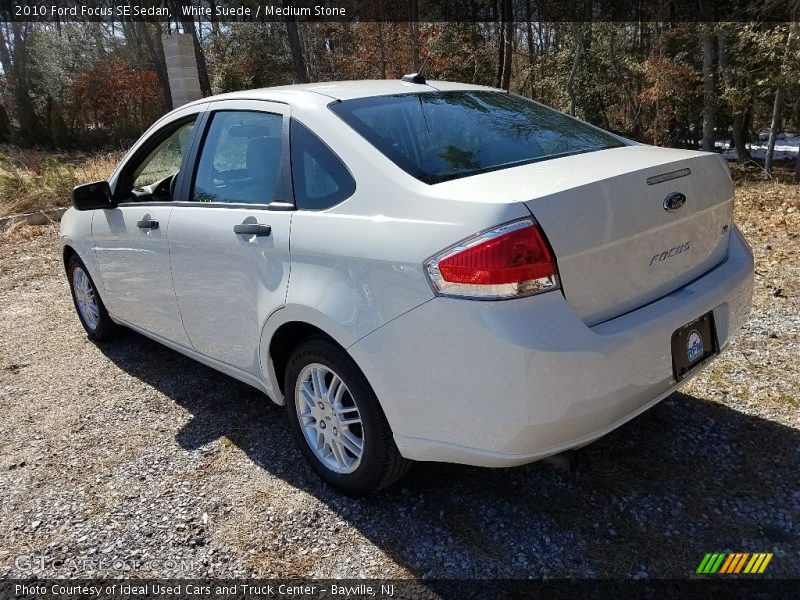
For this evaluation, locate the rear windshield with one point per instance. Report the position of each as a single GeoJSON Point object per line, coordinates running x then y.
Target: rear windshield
{"type": "Point", "coordinates": [438, 136]}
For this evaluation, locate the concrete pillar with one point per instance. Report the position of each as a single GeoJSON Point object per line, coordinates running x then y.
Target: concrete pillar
{"type": "Point", "coordinates": [184, 82]}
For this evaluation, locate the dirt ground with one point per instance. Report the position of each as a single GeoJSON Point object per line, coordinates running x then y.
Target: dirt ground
{"type": "Point", "coordinates": [133, 460]}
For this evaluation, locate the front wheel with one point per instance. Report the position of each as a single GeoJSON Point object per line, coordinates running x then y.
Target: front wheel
{"type": "Point", "coordinates": [91, 310]}
{"type": "Point", "coordinates": [337, 421]}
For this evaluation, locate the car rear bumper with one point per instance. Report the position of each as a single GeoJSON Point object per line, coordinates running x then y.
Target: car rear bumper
{"type": "Point", "coordinates": [505, 383]}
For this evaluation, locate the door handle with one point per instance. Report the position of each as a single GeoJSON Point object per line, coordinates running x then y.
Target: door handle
{"type": "Point", "coordinates": [147, 224]}
{"type": "Point", "coordinates": [256, 229]}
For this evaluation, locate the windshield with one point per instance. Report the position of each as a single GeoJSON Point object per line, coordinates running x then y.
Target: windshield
{"type": "Point", "coordinates": [438, 136]}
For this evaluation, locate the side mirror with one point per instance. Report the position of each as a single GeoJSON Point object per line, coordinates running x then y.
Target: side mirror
{"type": "Point", "coordinates": [91, 196]}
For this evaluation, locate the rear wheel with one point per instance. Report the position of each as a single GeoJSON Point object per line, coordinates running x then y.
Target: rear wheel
{"type": "Point", "coordinates": [337, 421]}
{"type": "Point", "coordinates": [91, 310]}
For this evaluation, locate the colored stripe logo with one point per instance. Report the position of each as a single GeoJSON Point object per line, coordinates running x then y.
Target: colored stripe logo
{"type": "Point", "coordinates": [729, 563]}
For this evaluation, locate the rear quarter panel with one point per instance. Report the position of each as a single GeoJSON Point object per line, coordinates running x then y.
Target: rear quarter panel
{"type": "Point", "coordinates": [358, 265]}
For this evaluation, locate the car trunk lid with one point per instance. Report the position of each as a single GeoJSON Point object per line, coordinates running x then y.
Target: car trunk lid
{"type": "Point", "coordinates": [616, 245]}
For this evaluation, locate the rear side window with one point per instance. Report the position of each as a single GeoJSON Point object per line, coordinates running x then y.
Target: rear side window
{"type": "Point", "coordinates": [241, 158]}
{"type": "Point", "coordinates": [438, 136]}
{"type": "Point", "coordinates": [319, 177]}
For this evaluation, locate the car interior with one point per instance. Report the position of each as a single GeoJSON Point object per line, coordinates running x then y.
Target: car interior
{"type": "Point", "coordinates": [253, 183]}
{"type": "Point", "coordinates": [240, 160]}
{"type": "Point", "coordinates": [155, 177]}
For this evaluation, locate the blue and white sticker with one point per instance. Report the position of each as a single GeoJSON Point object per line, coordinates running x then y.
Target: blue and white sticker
{"type": "Point", "coordinates": [694, 346]}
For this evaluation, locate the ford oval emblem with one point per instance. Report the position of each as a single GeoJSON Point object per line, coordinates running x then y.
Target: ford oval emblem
{"type": "Point", "coordinates": [674, 201]}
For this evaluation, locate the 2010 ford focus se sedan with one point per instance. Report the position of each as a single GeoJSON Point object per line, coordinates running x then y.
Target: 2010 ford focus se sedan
{"type": "Point", "coordinates": [418, 271]}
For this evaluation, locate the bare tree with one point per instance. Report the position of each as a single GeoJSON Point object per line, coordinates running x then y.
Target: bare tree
{"type": "Point", "coordinates": [414, 26]}
{"type": "Point", "coordinates": [709, 96]}
{"type": "Point", "coordinates": [300, 70]}
{"type": "Point", "coordinates": [737, 115]}
{"type": "Point", "coordinates": [530, 43]}
{"type": "Point", "coordinates": [507, 41]}
{"type": "Point", "coordinates": [505, 50]}
{"type": "Point", "coordinates": [777, 106]}
{"type": "Point", "coordinates": [295, 47]}
{"type": "Point", "coordinates": [623, 81]}
{"type": "Point", "coordinates": [576, 61]}
{"type": "Point", "coordinates": [381, 48]}
{"type": "Point", "coordinates": [14, 60]}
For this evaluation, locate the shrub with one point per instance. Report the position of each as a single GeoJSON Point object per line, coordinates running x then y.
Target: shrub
{"type": "Point", "coordinates": [32, 180]}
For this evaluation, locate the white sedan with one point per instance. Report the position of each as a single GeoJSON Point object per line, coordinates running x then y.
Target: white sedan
{"type": "Point", "coordinates": [418, 270]}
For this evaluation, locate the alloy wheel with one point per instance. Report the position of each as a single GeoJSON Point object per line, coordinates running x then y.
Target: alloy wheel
{"type": "Point", "coordinates": [329, 418]}
{"type": "Point", "coordinates": [85, 298]}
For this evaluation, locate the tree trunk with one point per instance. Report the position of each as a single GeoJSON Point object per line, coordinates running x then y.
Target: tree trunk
{"type": "Point", "coordinates": [508, 49]}
{"type": "Point", "coordinates": [215, 30]}
{"type": "Point", "coordinates": [139, 32]}
{"type": "Point", "coordinates": [774, 127]}
{"type": "Point", "coordinates": [300, 71]}
{"type": "Point", "coordinates": [797, 168]}
{"type": "Point", "coordinates": [578, 29]}
{"type": "Point", "coordinates": [623, 82]}
{"type": "Point", "coordinates": [708, 92]}
{"type": "Point", "coordinates": [740, 137]}
{"type": "Point", "coordinates": [737, 116]}
{"type": "Point", "coordinates": [381, 50]}
{"type": "Point", "coordinates": [531, 44]}
{"type": "Point", "coordinates": [501, 45]}
{"type": "Point", "coordinates": [777, 107]}
{"type": "Point", "coordinates": [5, 56]}
{"type": "Point", "coordinates": [15, 68]}
{"type": "Point", "coordinates": [414, 24]}
{"type": "Point", "coordinates": [97, 33]}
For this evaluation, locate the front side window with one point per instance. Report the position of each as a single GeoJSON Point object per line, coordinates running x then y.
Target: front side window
{"type": "Point", "coordinates": [240, 161]}
{"type": "Point", "coordinates": [438, 136]}
{"type": "Point", "coordinates": [319, 177]}
{"type": "Point", "coordinates": [153, 178]}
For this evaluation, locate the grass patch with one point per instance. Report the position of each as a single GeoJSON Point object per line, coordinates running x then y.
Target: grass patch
{"type": "Point", "coordinates": [32, 180]}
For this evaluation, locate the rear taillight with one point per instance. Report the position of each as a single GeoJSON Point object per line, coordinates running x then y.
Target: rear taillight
{"type": "Point", "coordinates": [509, 261]}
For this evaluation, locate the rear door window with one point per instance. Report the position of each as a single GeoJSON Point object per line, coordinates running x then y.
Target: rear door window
{"type": "Point", "coordinates": [438, 136]}
{"type": "Point", "coordinates": [240, 161]}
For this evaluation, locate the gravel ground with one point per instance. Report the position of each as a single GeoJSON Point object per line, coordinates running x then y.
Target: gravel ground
{"type": "Point", "coordinates": [130, 452]}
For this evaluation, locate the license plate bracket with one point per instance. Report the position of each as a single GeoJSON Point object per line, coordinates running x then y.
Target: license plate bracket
{"type": "Point", "coordinates": [693, 344]}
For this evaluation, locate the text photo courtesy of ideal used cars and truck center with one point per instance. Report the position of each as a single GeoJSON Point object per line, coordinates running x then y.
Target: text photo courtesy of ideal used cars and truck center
{"type": "Point", "coordinates": [421, 299]}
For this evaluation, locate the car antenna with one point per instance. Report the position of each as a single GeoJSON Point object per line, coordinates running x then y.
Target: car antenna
{"type": "Point", "coordinates": [414, 78]}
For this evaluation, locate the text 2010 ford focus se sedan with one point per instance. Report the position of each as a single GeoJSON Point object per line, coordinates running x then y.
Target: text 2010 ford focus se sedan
{"type": "Point", "coordinates": [419, 271]}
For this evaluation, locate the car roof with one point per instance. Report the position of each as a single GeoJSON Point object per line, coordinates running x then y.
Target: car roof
{"type": "Point", "coordinates": [344, 90]}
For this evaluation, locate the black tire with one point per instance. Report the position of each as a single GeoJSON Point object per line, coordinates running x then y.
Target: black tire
{"type": "Point", "coordinates": [105, 329]}
{"type": "Point", "coordinates": [381, 463]}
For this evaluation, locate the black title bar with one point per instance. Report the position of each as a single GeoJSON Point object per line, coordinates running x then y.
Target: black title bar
{"type": "Point", "coordinates": [708, 588]}
{"type": "Point", "coordinates": [77, 11]}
